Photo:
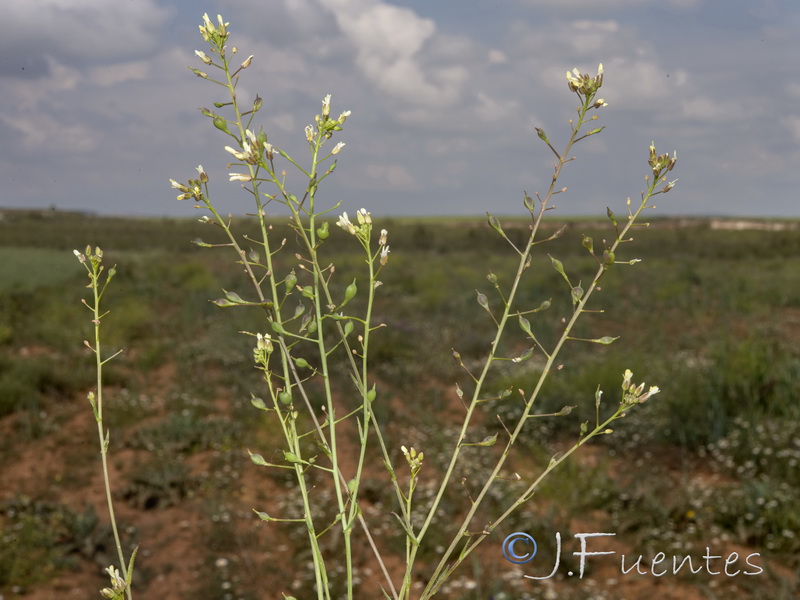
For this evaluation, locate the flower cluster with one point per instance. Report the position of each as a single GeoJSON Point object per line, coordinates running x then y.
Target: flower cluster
{"type": "Point", "coordinates": [661, 163]}
{"type": "Point", "coordinates": [586, 85]}
{"type": "Point", "coordinates": [118, 585]}
{"type": "Point", "coordinates": [325, 125]}
{"type": "Point", "coordinates": [214, 34]}
{"type": "Point", "coordinates": [193, 188]}
{"type": "Point", "coordinates": [413, 458]}
{"type": "Point", "coordinates": [263, 349]}
{"type": "Point", "coordinates": [363, 230]}
{"type": "Point", "coordinates": [635, 394]}
{"type": "Point", "coordinates": [254, 147]}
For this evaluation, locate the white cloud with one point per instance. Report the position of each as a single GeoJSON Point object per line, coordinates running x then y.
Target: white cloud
{"type": "Point", "coordinates": [80, 30]}
{"type": "Point", "coordinates": [389, 41]}
{"type": "Point", "coordinates": [572, 6]}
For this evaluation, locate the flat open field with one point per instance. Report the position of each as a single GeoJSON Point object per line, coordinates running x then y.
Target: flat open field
{"type": "Point", "coordinates": [708, 467]}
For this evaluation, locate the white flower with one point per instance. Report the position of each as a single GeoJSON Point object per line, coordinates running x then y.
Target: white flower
{"type": "Point", "coordinates": [239, 177]}
{"type": "Point", "coordinates": [236, 153]}
{"type": "Point", "coordinates": [626, 380]}
{"type": "Point", "coordinates": [384, 255]}
{"type": "Point", "coordinates": [363, 217]}
{"type": "Point", "coordinates": [326, 105]}
{"type": "Point", "coordinates": [337, 148]}
{"type": "Point", "coordinates": [382, 239]}
{"type": "Point", "coordinates": [344, 223]}
{"type": "Point", "coordinates": [202, 56]}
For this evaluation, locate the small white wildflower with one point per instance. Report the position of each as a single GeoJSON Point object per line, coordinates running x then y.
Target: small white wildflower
{"type": "Point", "coordinates": [364, 217]}
{"type": "Point", "coordinates": [382, 239]}
{"type": "Point", "coordinates": [326, 105]}
{"type": "Point", "coordinates": [236, 153]}
{"type": "Point", "coordinates": [626, 380]}
{"type": "Point", "coordinates": [338, 148]}
{"type": "Point", "coordinates": [239, 177]}
{"type": "Point", "coordinates": [247, 61]}
{"type": "Point", "coordinates": [179, 186]}
{"type": "Point", "coordinates": [384, 255]}
{"type": "Point", "coordinates": [203, 56]}
{"type": "Point", "coordinates": [117, 582]}
{"type": "Point", "coordinates": [344, 223]}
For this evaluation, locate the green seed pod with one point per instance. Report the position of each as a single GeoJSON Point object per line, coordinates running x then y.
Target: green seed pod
{"type": "Point", "coordinates": [322, 232]}
{"type": "Point", "coordinates": [285, 398]}
{"type": "Point", "coordinates": [608, 258]}
{"type": "Point", "coordinates": [350, 292]}
{"type": "Point", "coordinates": [221, 124]}
{"type": "Point", "coordinates": [372, 394]}
{"type": "Point", "coordinates": [301, 362]}
{"type": "Point", "coordinates": [290, 281]}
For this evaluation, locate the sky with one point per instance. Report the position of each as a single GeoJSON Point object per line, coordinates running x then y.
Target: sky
{"type": "Point", "coordinates": [98, 109]}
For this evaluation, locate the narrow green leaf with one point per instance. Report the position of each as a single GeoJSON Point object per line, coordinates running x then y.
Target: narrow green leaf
{"type": "Point", "coordinates": [129, 576]}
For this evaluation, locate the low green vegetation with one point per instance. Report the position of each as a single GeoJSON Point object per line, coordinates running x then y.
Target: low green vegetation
{"type": "Point", "coordinates": [713, 319]}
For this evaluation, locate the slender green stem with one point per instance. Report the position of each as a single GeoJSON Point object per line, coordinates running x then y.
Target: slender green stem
{"type": "Point", "coordinates": [95, 269]}
{"type": "Point", "coordinates": [472, 408]}
{"type": "Point", "coordinates": [442, 570]}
